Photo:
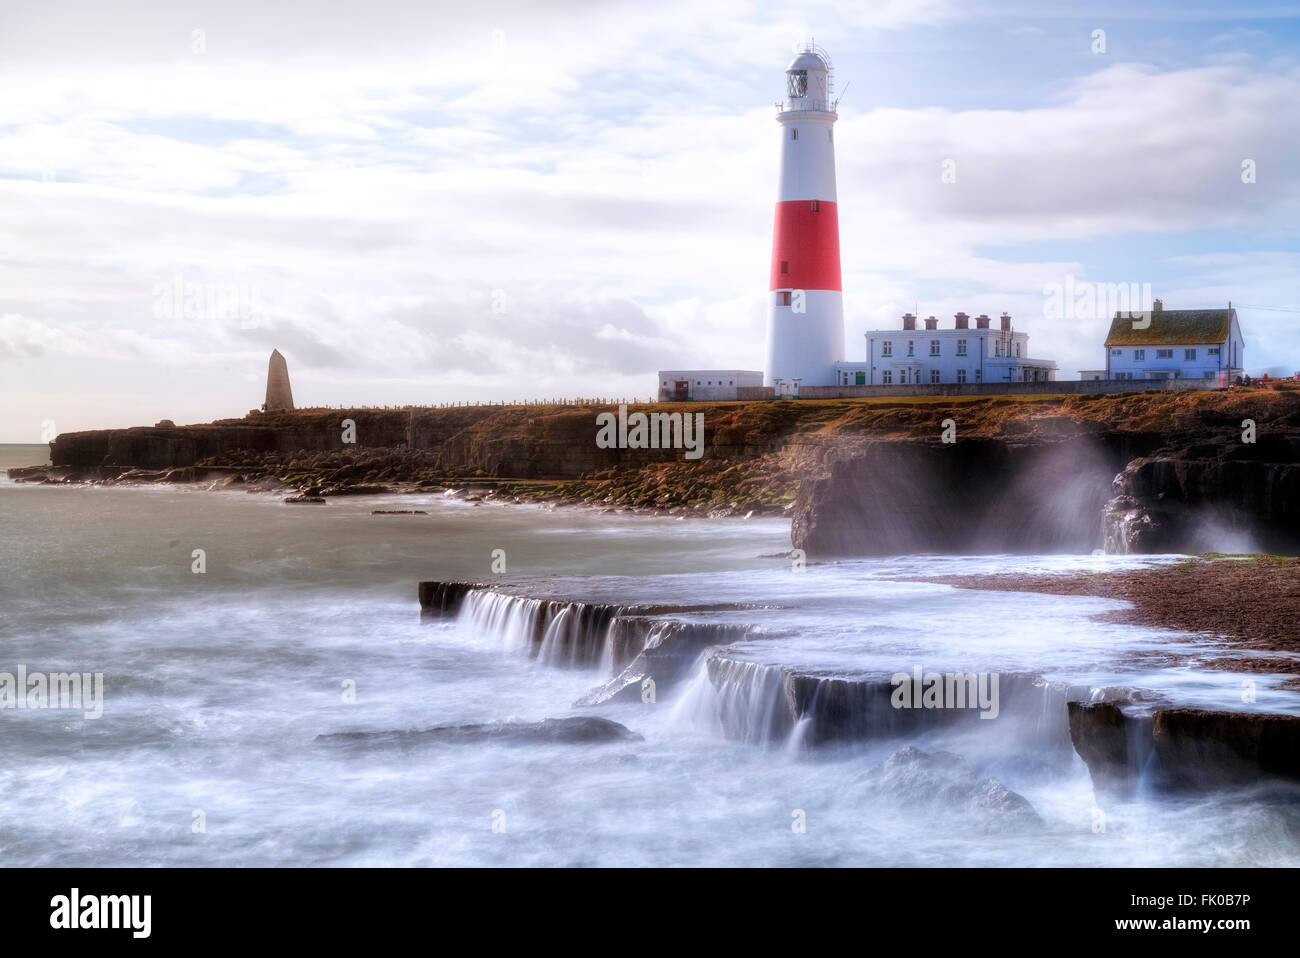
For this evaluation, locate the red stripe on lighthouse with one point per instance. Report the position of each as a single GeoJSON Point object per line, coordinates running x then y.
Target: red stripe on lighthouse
{"type": "Point", "coordinates": [806, 246]}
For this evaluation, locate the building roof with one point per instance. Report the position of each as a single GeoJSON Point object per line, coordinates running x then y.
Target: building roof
{"type": "Point", "coordinates": [1173, 327]}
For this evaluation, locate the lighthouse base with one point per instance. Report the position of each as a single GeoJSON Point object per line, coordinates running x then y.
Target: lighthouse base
{"type": "Point", "coordinates": [805, 345]}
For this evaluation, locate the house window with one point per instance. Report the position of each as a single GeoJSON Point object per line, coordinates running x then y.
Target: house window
{"type": "Point", "coordinates": [1209, 374]}
{"type": "Point", "coordinates": [997, 348]}
{"type": "Point", "coordinates": [979, 375]}
{"type": "Point", "coordinates": [887, 348]}
{"type": "Point", "coordinates": [1117, 352]}
{"type": "Point", "coordinates": [911, 347]}
{"type": "Point", "coordinates": [887, 377]}
{"type": "Point", "coordinates": [1140, 355]}
{"type": "Point", "coordinates": [934, 347]}
{"type": "Point", "coordinates": [1017, 350]}
{"type": "Point", "coordinates": [1164, 354]}
{"type": "Point", "coordinates": [1213, 350]}
{"type": "Point", "coordinates": [961, 347]}
{"type": "Point", "coordinates": [961, 375]}
{"type": "Point", "coordinates": [934, 377]}
{"type": "Point", "coordinates": [1189, 355]}
{"type": "Point", "coordinates": [783, 298]}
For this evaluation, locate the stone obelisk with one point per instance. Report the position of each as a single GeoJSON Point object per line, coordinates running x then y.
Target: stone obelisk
{"type": "Point", "coordinates": [279, 397]}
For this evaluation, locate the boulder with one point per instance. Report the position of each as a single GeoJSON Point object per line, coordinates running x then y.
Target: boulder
{"type": "Point", "coordinates": [575, 730]}
{"type": "Point", "coordinates": [944, 783]}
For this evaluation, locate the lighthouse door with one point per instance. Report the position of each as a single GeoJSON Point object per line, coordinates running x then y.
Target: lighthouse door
{"type": "Point", "coordinates": [681, 390]}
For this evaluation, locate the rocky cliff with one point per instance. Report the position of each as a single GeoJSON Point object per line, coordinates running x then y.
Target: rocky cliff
{"type": "Point", "coordinates": [1136, 472]}
{"type": "Point", "coordinates": [1144, 474]}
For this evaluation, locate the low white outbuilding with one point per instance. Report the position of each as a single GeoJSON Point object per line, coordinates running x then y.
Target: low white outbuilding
{"type": "Point", "coordinates": [682, 385]}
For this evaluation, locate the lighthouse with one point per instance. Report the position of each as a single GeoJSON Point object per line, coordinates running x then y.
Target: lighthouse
{"type": "Point", "coordinates": [805, 325]}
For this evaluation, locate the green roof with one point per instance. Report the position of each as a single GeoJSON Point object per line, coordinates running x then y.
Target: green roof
{"type": "Point", "coordinates": [1173, 327]}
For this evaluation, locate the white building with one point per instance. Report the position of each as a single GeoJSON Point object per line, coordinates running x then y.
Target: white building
{"type": "Point", "coordinates": [682, 385]}
{"type": "Point", "coordinates": [934, 356]}
{"type": "Point", "coordinates": [1175, 344]}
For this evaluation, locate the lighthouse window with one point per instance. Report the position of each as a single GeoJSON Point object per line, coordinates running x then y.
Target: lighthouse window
{"type": "Point", "coordinates": [796, 83]}
{"type": "Point", "coordinates": [785, 266]}
{"type": "Point", "coordinates": [814, 206]}
{"type": "Point", "coordinates": [783, 299]}
{"type": "Point", "coordinates": [794, 133]}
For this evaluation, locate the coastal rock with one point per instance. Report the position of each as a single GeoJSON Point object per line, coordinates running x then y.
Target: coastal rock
{"type": "Point", "coordinates": [1188, 499]}
{"type": "Point", "coordinates": [1182, 749]}
{"type": "Point", "coordinates": [1111, 744]}
{"type": "Point", "coordinates": [977, 495]}
{"type": "Point", "coordinates": [307, 500]}
{"type": "Point", "coordinates": [665, 653]}
{"type": "Point", "coordinates": [945, 783]}
{"type": "Point", "coordinates": [442, 600]}
{"type": "Point", "coordinates": [585, 729]}
{"type": "Point", "coordinates": [767, 704]}
{"type": "Point", "coordinates": [29, 473]}
{"type": "Point", "coordinates": [1198, 748]}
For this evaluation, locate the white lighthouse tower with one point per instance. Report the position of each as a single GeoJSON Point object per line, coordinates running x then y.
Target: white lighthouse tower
{"type": "Point", "coordinates": [805, 326]}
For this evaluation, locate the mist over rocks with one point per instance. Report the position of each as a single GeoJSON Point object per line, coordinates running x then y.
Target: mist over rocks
{"type": "Point", "coordinates": [1171, 474]}
{"type": "Point", "coordinates": [945, 783]}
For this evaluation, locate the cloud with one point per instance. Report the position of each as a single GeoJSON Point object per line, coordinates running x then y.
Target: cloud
{"type": "Point", "coordinates": [489, 200]}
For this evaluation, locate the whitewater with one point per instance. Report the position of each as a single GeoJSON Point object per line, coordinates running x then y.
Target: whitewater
{"type": "Point", "coordinates": [228, 693]}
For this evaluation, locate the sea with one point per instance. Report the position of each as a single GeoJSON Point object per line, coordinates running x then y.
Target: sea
{"type": "Point", "coordinates": [237, 636]}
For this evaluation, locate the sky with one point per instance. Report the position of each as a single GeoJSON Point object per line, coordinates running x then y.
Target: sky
{"type": "Point", "coordinates": [425, 202]}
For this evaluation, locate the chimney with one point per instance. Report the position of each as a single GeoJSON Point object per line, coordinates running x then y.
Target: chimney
{"type": "Point", "coordinates": [1006, 322]}
{"type": "Point", "coordinates": [931, 323]}
{"type": "Point", "coordinates": [909, 321]}
{"type": "Point", "coordinates": [963, 321]}
{"type": "Point", "coordinates": [982, 321]}
{"type": "Point", "coordinates": [1156, 306]}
